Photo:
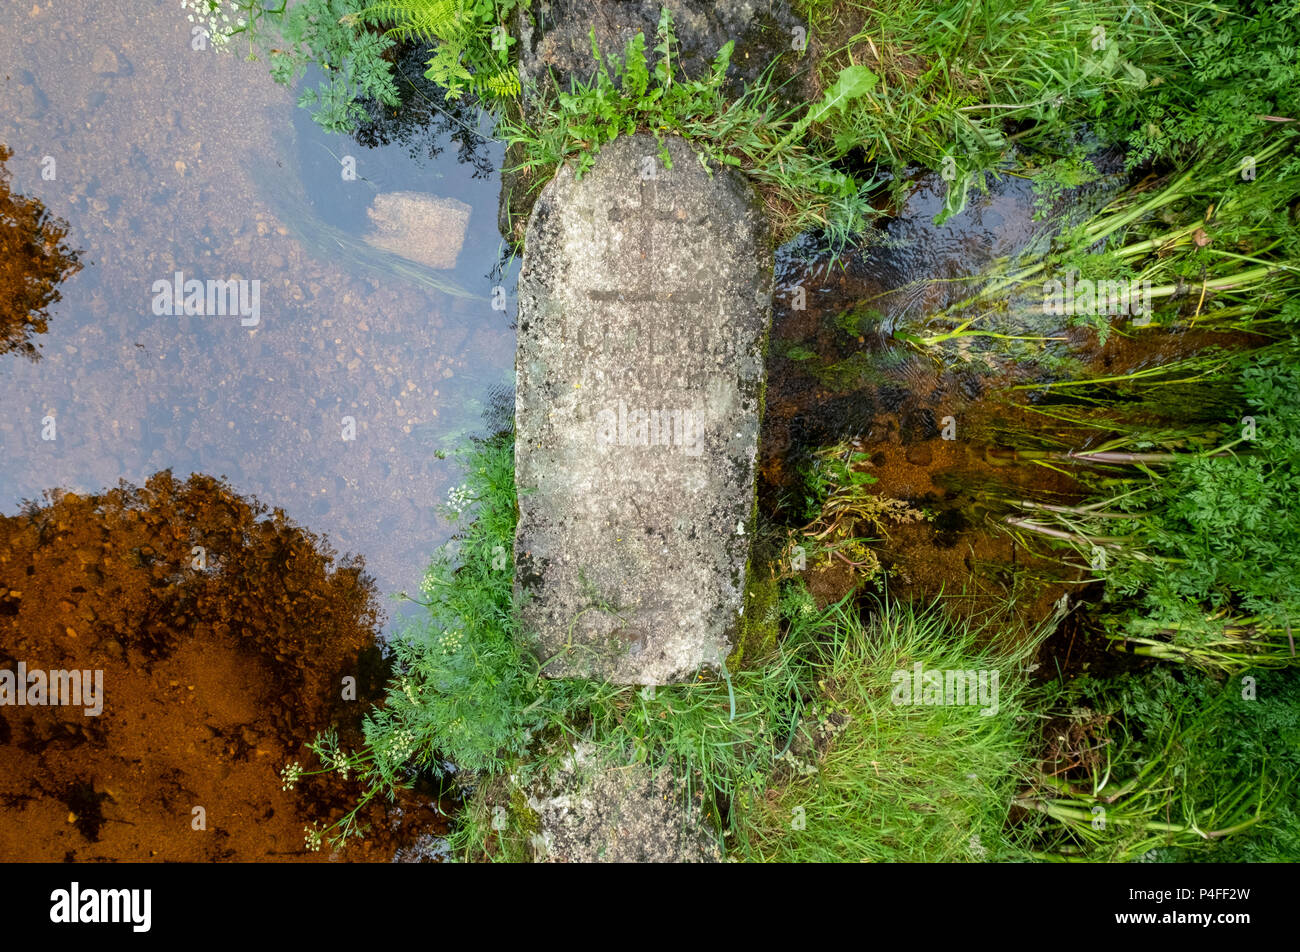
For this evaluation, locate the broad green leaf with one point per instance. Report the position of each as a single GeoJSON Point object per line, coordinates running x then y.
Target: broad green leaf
{"type": "Point", "coordinates": [853, 82]}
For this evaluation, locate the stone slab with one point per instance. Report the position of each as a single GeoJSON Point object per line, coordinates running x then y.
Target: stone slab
{"type": "Point", "coordinates": [427, 229]}
{"type": "Point", "coordinates": [644, 306]}
{"type": "Point", "coordinates": [626, 814]}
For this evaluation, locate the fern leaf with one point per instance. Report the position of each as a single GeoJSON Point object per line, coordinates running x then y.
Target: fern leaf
{"type": "Point", "coordinates": [427, 20]}
{"type": "Point", "coordinates": [500, 85]}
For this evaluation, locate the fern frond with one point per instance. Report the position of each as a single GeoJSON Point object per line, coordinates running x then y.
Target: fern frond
{"type": "Point", "coordinates": [427, 20]}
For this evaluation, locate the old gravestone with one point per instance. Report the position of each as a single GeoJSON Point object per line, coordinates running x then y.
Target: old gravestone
{"type": "Point", "coordinates": [645, 300]}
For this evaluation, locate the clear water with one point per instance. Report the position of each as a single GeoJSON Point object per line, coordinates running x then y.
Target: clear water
{"type": "Point", "coordinates": [172, 159]}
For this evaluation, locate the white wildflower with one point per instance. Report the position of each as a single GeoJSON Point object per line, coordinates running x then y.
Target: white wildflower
{"type": "Point", "coordinates": [213, 18]}
{"type": "Point", "coordinates": [312, 837]}
{"type": "Point", "coordinates": [459, 498]}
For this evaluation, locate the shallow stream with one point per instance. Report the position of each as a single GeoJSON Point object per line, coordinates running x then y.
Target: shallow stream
{"type": "Point", "coordinates": [163, 158]}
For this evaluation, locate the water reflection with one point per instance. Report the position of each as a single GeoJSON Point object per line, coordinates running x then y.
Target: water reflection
{"type": "Point", "coordinates": [362, 364]}
{"type": "Point", "coordinates": [34, 261]}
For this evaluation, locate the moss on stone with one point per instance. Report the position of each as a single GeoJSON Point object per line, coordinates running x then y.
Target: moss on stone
{"type": "Point", "coordinates": [523, 818]}
{"type": "Point", "coordinates": [759, 625]}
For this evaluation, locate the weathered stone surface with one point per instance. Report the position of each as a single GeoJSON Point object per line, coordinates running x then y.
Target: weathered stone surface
{"type": "Point", "coordinates": [423, 228]}
{"type": "Point", "coordinates": [618, 815]}
{"type": "Point", "coordinates": [644, 305]}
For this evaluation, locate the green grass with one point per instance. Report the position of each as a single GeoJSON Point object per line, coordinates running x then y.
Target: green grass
{"type": "Point", "coordinates": [895, 782]}
{"type": "Point", "coordinates": [354, 61]}
{"type": "Point", "coordinates": [809, 758]}
{"type": "Point", "coordinates": [962, 81]}
{"type": "Point", "coordinates": [969, 87]}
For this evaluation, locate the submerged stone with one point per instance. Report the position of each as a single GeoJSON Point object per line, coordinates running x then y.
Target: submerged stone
{"type": "Point", "coordinates": [422, 228]}
{"type": "Point", "coordinates": [644, 305]}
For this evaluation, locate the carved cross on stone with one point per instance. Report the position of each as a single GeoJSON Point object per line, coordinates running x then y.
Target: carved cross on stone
{"type": "Point", "coordinates": [648, 213]}
{"type": "Point", "coordinates": [648, 206]}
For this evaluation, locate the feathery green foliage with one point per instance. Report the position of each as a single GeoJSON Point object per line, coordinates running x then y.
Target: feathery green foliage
{"type": "Point", "coordinates": [1172, 766]}
{"type": "Point", "coordinates": [346, 39]}
{"type": "Point", "coordinates": [322, 33]}
{"type": "Point", "coordinates": [467, 688]}
{"type": "Point", "coordinates": [471, 42]}
{"type": "Point", "coordinates": [1234, 80]}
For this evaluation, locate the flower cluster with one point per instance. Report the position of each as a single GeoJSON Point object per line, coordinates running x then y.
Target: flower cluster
{"type": "Point", "coordinates": [459, 498]}
{"type": "Point", "coordinates": [290, 774]}
{"type": "Point", "coordinates": [212, 16]}
{"type": "Point", "coordinates": [401, 745]}
{"type": "Point", "coordinates": [407, 687]}
{"type": "Point", "coordinates": [451, 641]}
{"type": "Point", "coordinates": [312, 837]}
{"type": "Point", "coordinates": [340, 763]}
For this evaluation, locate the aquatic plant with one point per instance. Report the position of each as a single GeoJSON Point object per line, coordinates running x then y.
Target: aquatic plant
{"type": "Point", "coordinates": [1213, 245]}
{"type": "Point", "coordinates": [1170, 766]}
{"type": "Point", "coordinates": [1201, 548]}
{"type": "Point", "coordinates": [842, 508]}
